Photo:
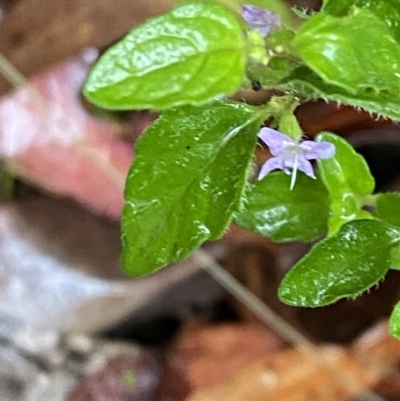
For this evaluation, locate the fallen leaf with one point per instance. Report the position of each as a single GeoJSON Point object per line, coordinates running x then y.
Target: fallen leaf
{"type": "Point", "coordinates": [50, 140]}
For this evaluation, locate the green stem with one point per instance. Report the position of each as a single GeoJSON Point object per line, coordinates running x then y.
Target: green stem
{"type": "Point", "coordinates": [369, 200]}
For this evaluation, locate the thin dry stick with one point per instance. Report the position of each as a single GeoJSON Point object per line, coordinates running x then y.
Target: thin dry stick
{"type": "Point", "coordinates": [283, 328]}
{"type": "Point", "coordinates": [16, 79]}
{"type": "Point", "coordinates": [11, 73]}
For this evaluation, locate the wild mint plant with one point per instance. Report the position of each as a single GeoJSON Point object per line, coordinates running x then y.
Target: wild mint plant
{"type": "Point", "coordinates": [194, 170]}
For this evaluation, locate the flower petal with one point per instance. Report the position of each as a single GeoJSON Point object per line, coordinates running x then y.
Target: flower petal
{"type": "Point", "coordinates": [305, 166]}
{"type": "Point", "coordinates": [271, 164]}
{"type": "Point", "coordinates": [317, 150]}
{"type": "Point", "coordinates": [275, 140]}
{"type": "Point", "coordinates": [261, 19]}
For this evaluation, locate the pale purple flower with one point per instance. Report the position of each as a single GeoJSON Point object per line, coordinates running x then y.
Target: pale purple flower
{"type": "Point", "coordinates": [262, 20]}
{"type": "Point", "coordinates": [291, 155]}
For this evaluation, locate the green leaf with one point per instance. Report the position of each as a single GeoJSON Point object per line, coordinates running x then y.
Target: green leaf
{"type": "Point", "coordinates": [394, 322]}
{"type": "Point", "coordinates": [186, 182]}
{"type": "Point", "coordinates": [335, 48]}
{"type": "Point", "coordinates": [273, 210]}
{"type": "Point", "coordinates": [387, 10]}
{"type": "Point", "coordinates": [347, 177]}
{"type": "Point", "coordinates": [188, 56]}
{"type": "Point", "coordinates": [337, 7]}
{"type": "Point", "coordinates": [306, 83]}
{"type": "Point", "coordinates": [345, 265]}
{"type": "Point", "coordinates": [388, 208]}
{"type": "Point", "coordinates": [346, 170]}
{"type": "Point", "coordinates": [395, 258]}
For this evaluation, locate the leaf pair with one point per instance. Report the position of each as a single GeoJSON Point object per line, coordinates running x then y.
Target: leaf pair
{"type": "Point", "coordinates": [312, 207]}
{"type": "Point", "coordinates": [361, 250]}
{"type": "Point", "coordinates": [192, 165]}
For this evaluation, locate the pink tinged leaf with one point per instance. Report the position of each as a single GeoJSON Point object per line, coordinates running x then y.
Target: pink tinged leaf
{"type": "Point", "coordinates": [273, 163]}
{"type": "Point", "coordinates": [51, 141]}
{"type": "Point", "coordinates": [275, 140]}
{"type": "Point", "coordinates": [317, 150]}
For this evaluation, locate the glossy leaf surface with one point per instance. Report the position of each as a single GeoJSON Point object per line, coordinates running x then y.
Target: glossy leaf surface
{"type": "Point", "coordinates": [335, 48]}
{"type": "Point", "coordinates": [186, 182]}
{"type": "Point", "coordinates": [347, 177]}
{"type": "Point", "coordinates": [273, 210]}
{"type": "Point", "coordinates": [188, 56]}
{"type": "Point", "coordinates": [344, 265]}
{"type": "Point", "coordinates": [346, 170]}
{"type": "Point", "coordinates": [394, 322]}
{"type": "Point", "coordinates": [387, 10]}
{"type": "Point", "coordinates": [337, 7]}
